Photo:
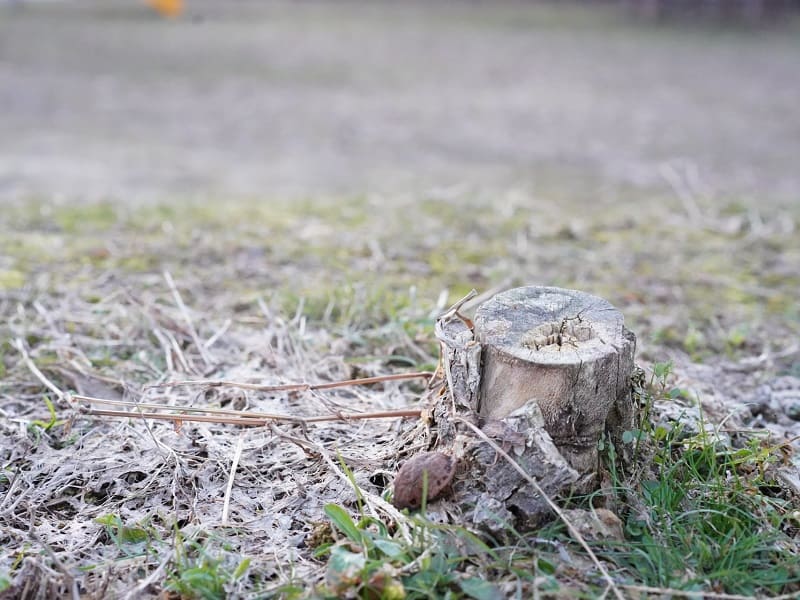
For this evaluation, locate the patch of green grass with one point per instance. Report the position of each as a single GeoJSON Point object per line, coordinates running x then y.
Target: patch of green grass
{"type": "Point", "coordinates": [5, 347]}
{"type": "Point", "coordinates": [52, 421]}
{"type": "Point", "coordinates": [84, 218]}
{"type": "Point", "coordinates": [707, 527]}
{"type": "Point", "coordinates": [736, 339]}
{"type": "Point", "coordinates": [363, 305]}
{"type": "Point", "coordinates": [11, 279]}
{"type": "Point", "coordinates": [27, 247]}
{"type": "Point", "coordinates": [198, 572]}
{"type": "Point", "coordinates": [371, 561]}
{"type": "Point", "coordinates": [694, 343]}
{"type": "Point", "coordinates": [708, 516]}
{"type": "Point", "coordinates": [130, 540]}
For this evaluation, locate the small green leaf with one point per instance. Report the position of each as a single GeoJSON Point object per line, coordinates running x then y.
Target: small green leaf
{"type": "Point", "coordinates": [480, 589]}
{"type": "Point", "coordinates": [628, 437]}
{"type": "Point", "coordinates": [427, 579]}
{"type": "Point", "coordinates": [344, 568]}
{"type": "Point", "coordinates": [662, 370]}
{"type": "Point", "coordinates": [109, 520]}
{"type": "Point", "coordinates": [343, 522]}
{"type": "Point", "coordinates": [47, 425]}
{"type": "Point", "coordinates": [240, 570]}
{"type": "Point", "coordinates": [661, 433]}
{"type": "Point", "coordinates": [545, 566]}
{"type": "Point", "coordinates": [203, 582]}
{"type": "Point", "coordinates": [132, 535]}
{"type": "Point", "coordinates": [389, 548]}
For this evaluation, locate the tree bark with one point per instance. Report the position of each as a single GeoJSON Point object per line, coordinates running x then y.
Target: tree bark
{"type": "Point", "coordinates": [568, 352]}
{"type": "Point", "coordinates": [543, 373]}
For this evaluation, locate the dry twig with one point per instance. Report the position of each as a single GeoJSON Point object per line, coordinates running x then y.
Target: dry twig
{"type": "Point", "coordinates": [293, 387]}
{"type": "Point", "coordinates": [35, 370]}
{"type": "Point", "coordinates": [201, 348]}
{"type": "Point", "coordinates": [234, 464]}
{"type": "Point", "coordinates": [225, 416]}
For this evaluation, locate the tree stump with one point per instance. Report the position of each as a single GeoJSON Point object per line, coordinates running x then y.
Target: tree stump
{"type": "Point", "coordinates": [543, 372]}
{"type": "Point", "coordinates": [568, 352]}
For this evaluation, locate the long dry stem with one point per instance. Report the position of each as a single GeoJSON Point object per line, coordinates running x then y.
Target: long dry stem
{"type": "Point", "coordinates": [294, 387]}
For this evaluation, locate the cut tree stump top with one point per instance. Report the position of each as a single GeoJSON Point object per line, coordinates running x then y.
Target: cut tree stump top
{"type": "Point", "coordinates": [549, 325]}
{"type": "Point", "coordinates": [565, 350]}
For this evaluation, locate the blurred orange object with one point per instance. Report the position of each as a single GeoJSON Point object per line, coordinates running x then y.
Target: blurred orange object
{"type": "Point", "coordinates": [167, 8]}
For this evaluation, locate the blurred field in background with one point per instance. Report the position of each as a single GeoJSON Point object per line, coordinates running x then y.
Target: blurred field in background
{"type": "Point", "coordinates": [253, 99]}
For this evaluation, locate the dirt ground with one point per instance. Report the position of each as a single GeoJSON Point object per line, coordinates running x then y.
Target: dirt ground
{"type": "Point", "coordinates": [280, 192]}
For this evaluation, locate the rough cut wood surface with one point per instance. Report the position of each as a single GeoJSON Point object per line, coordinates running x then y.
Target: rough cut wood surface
{"type": "Point", "coordinates": [565, 350]}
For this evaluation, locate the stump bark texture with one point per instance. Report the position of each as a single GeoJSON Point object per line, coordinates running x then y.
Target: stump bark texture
{"type": "Point", "coordinates": [565, 350]}
{"type": "Point", "coordinates": [543, 372]}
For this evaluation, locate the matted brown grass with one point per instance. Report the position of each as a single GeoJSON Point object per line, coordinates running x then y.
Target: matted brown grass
{"type": "Point", "coordinates": [164, 478]}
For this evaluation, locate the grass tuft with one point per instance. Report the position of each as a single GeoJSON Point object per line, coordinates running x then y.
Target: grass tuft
{"type": "Point", "coordinates": [705, 517]}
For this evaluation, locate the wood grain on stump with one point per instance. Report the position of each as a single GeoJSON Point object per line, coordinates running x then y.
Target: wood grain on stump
{"type": "Point", "coordinates": [568, 352]}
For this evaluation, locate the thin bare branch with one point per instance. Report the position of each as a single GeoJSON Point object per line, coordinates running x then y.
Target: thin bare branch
{"type": "Point", "coordinates": [226, 416]}
{"type": "Point", "coordinates": [293, 387]}
{"type": "Point", "coordinates": [455, 308]}
{"type": "Point", "coordinates": [186, 317]}
{"type": "Point", "coordinates": [226, 504]}
{"type": "Point", "coordinates": [35, 370]}
{"type": "Point", "coordinates": [176, 417]}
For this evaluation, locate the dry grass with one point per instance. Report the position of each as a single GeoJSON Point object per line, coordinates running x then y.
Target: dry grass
{"type": "Point", "coordinates": [118, 507]}
{"type": "Point", "coordinates": [65, 479]}
{"type": "Point", "coordinates": [684, 216]}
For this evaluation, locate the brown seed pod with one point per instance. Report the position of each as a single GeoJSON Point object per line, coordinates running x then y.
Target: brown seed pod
{"type": "Point", "coordinates": [409, 483]}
